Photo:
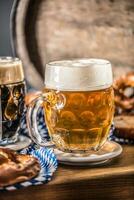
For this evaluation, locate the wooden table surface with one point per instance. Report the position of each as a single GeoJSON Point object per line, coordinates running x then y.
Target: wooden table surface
{"type": "Point", "coordinates": [114, 180]}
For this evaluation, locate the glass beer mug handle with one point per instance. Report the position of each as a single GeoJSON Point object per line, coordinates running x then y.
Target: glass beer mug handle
{"type": "Point", "coordinates": [32, 121]}
{"type": "Point", "coordinates": [56, 100]}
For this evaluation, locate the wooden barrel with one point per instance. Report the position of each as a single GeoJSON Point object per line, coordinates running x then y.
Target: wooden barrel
{"type": "Point", "coordinates": [44, 30]}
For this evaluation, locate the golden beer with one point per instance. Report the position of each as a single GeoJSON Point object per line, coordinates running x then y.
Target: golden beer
{"type": "Point", "coordinates": [84, 121]}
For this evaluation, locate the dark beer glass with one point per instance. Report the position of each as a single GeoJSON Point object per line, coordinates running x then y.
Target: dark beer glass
{"type": "Point", "coordinates": [12, 94]}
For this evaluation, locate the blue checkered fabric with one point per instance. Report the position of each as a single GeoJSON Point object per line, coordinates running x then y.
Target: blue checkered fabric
{"type": "Point", "coordinates": [113, 137]}
{"type": "Point", "coordinates": [40, 122]}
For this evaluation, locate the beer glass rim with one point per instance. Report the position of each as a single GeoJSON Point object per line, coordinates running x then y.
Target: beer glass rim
{"type": "Point", "coordinates": [8, 59]}
{"type": "Point", "coordinates": [11, 70]}
{"type": "Point", "coordinates": [78, 62]}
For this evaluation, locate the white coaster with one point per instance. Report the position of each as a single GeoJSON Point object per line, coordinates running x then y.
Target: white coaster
{"type": "Point", "coordinates": [22, 142]}
{"type": "Point", "coordinates": [108, 151]}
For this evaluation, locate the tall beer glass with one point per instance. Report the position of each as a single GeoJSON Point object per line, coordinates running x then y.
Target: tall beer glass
{"type": "Point", "coordinates": [78, 103]}
{"type": "Point", "coordinates": [12, 94]}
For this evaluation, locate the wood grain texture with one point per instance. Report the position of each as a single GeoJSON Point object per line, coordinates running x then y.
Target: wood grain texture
{"type": "Point", "coordinates": [51, 30]}
{"type": "Point", "coordinates": [112, 181]}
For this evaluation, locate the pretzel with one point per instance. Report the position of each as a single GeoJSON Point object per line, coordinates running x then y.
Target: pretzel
{"type": "Point", "coordinates": [124, 93]}
{"type": "Point", "coordinates": [16, 168]}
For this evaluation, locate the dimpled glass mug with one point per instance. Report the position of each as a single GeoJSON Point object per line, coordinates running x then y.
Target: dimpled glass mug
{"type": "Point", "coordinates": [12, 95]}
{"type": "Point", "coordinates": [78, 103]}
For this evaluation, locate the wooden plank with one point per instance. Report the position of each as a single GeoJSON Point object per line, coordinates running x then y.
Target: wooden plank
{"type": "Point", "coordinates": [114, 181]}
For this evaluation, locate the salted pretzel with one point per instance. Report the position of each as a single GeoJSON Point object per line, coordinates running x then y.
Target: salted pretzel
{"type": "Point", "coordinates": [124, 93]}
{"type": "Point", "coordinates": [16, 168]}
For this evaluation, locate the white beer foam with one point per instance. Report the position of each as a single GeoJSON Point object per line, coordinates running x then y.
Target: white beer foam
{"type": "Point", "coordinates": [78, 75]}
{"type": "Point", "coordinates": [11, 70]}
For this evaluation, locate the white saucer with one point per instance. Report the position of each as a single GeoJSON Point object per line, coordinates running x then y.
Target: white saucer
{"type": "Point", "coordinates": [109, 150]}
{"type": "Point", "coordinates": [22, 142]}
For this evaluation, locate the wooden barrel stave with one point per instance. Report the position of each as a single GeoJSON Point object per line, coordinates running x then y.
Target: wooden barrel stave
{"type": "Point", "coordinates": [51, 30]}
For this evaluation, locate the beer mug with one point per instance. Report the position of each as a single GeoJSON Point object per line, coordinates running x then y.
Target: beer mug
{"type": "Point", "coordinates": [78, 103]}
{"type": "Point", "coordinates": [12, 93]}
